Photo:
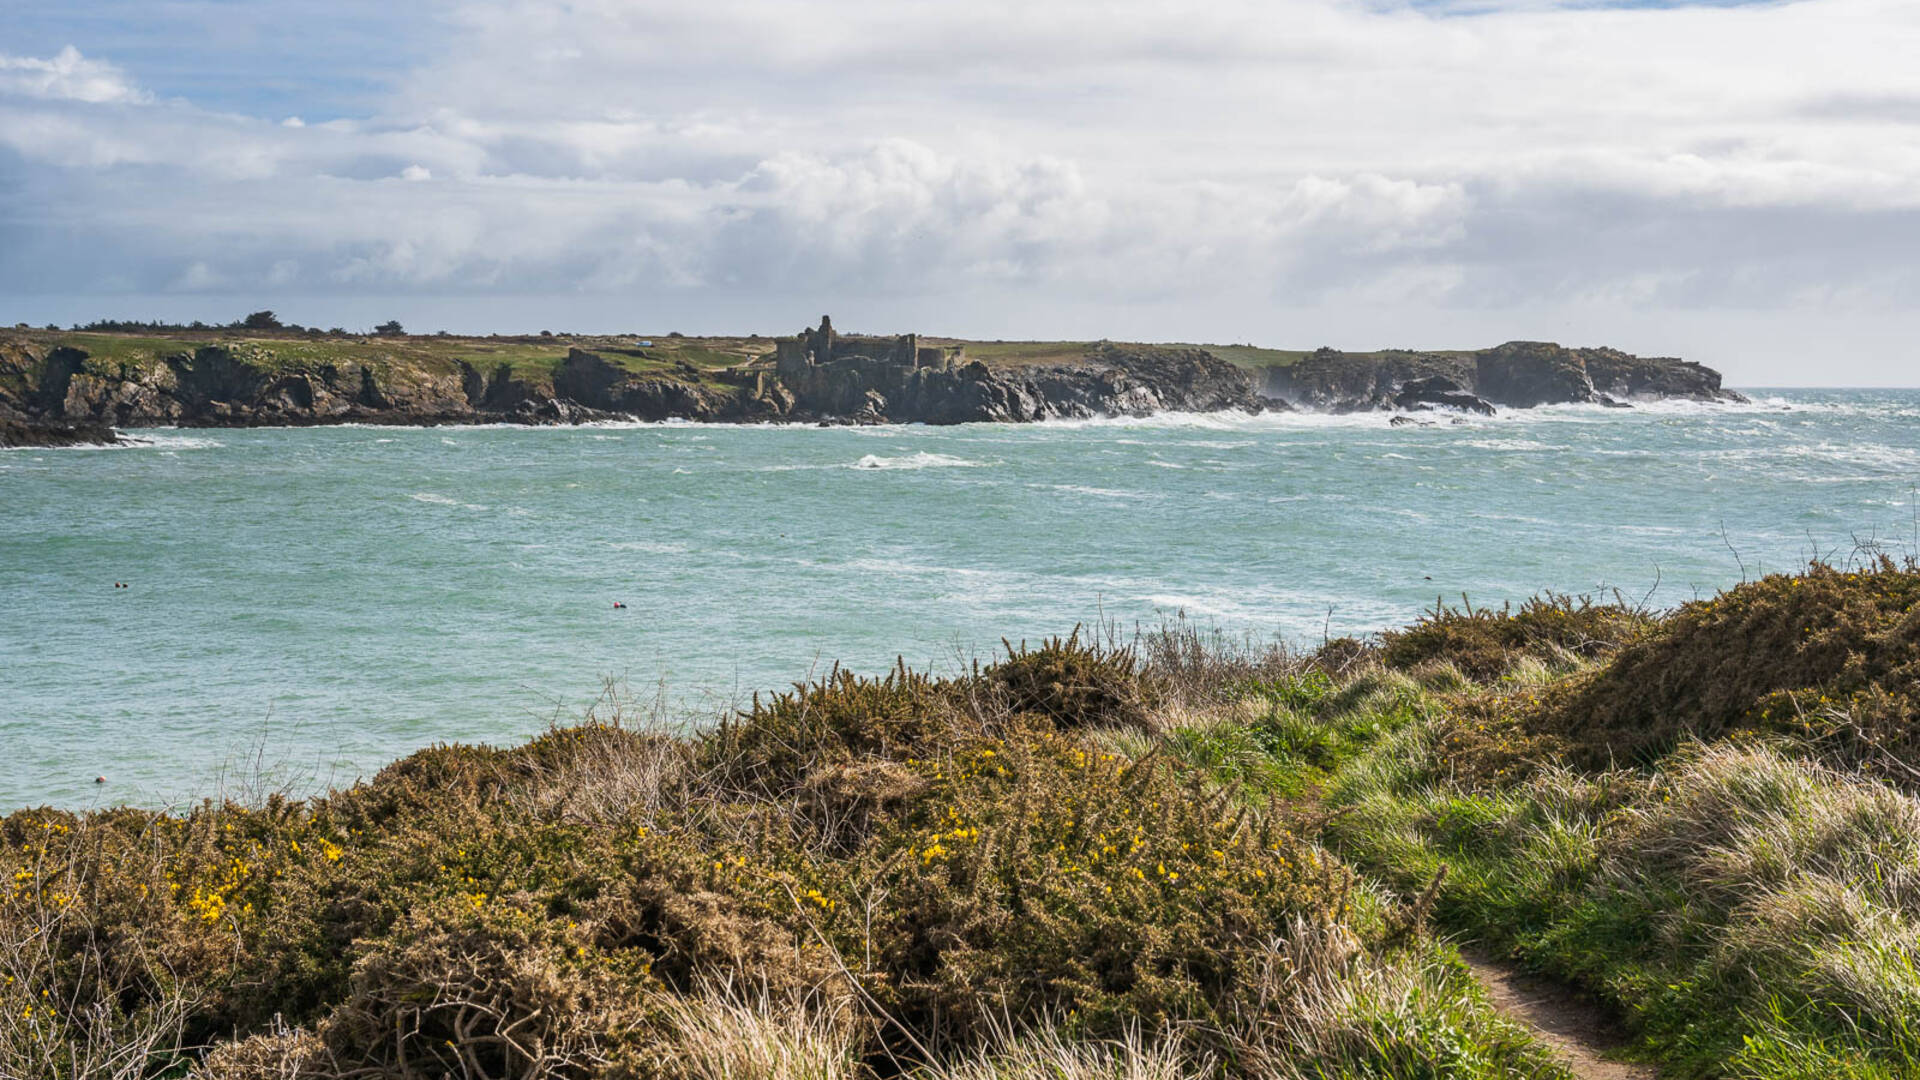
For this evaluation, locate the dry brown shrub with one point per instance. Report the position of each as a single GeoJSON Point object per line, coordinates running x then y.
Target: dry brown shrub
{"type": "Point", "coordinates": [1078, 685]}
{"type": "Point", "coordinates": [1826, 655]}
{"type": "Point", "coordinates": [76, 1003]}
{"type": "Point", "coordinates": [1484, 642]}
{"type": "Point", "coordinates": [488, 993]}
{"type": "Point", "coordinates": [700, 912]}
{"type": "Point", "coordinates": [1191, 668]}
{"type": "Point", "coordinates": [769, 751]}
{"type": "Point", "coordinates": [600, 774]}
{"type": "Point", "coordinates": [1343, 655]}
{"type": "Point", "coordinates": [844, 803]}
{"type": "Point", "coordinates": [280, 1054]}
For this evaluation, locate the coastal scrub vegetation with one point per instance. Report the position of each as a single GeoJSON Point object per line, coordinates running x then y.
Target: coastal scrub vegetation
{"type": "Point", "coordinates": [1169, 857]}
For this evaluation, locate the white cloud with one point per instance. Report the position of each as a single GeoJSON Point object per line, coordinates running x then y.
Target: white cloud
{"type": "Point", "coordinates": [1255, 152]}
{"type": "Point", "coordinates": [67, 76]}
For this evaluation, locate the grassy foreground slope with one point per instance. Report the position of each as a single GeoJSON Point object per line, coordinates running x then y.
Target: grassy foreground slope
{"type": "Point", "coordinates": [1714, 827]}
{"type": "Point", "coordinates": [1175, 860]}
{"type": "Point", "coordinates": [862, 877]}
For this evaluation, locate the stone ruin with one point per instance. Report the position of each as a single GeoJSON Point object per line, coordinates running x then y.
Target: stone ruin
{"type": "Point", "coordinates": [797, 357]}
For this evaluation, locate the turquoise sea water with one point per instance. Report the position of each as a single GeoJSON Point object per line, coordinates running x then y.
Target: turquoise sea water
{"type": "Point", "coordinates": [306, 605]}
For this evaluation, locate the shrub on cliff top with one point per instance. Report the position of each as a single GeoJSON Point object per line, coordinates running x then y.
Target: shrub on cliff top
{"type": "Point", "coordinates": [1076, 684]}
{"type": "Point", "coordinates": [774, 748]}
{"type": "Point", "coordinates": [1828, 655]}
{"type": "Point", "coordinates": [1483, 643]}
{"type": "Point", "coordinates": [1041, 878]}
{"type": "Point", "coordinates": [952, 852]}
{"type": "Point", "coordinates": [484, 988]}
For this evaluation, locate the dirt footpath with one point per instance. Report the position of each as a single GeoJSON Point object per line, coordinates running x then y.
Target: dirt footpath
{"type": "Point", "coordinates": [1578, 1031]}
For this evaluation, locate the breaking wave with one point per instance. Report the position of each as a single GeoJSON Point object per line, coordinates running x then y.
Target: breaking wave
{"type": "Point", "coordinates": [919, 460]}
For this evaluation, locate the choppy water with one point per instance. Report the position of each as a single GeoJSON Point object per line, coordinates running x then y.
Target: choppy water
{"type": "Point", "coordinates": [313, 603]}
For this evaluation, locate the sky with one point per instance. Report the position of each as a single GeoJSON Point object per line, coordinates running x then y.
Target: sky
{"type": "Point", "coordinates": [1736, 183]}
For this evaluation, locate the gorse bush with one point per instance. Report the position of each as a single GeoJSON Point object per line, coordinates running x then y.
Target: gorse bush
{"type": "Point", "coordinates": [440, 902]}
{"type": "Point", "coordinates": [905, 869]}
{"type": "Point", "coordinates": [482, 989]}
{"type": "Point", "coordinates": [77, 998]}
{"type": "Point", "coordinates": [1039, 878]}
{"type": "Point", "coordinates": [1075, 684]}
{"type": "Point", "coordinates": [1828, 655]}
{"type": "Point", "coordinates": [774, 748]}
{"type": "Point", "coordinates": [1484, 642]}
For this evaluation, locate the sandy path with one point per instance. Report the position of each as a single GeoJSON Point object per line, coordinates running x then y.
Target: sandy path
{"type": "Point", "coordinates": [1576, 1029]}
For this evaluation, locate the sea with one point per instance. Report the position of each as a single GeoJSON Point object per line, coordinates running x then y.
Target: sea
{"type": "Point", "coordinates": [302, 606]}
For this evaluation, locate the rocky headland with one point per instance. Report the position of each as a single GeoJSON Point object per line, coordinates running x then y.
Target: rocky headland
{"type": "Point", "coordinates": [1516, 375]}
{"type": "Point", "coordinates": [65, 388]}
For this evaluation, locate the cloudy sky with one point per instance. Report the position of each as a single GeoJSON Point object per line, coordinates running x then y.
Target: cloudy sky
{"type": "Point", "coordinates": [1734, 182]}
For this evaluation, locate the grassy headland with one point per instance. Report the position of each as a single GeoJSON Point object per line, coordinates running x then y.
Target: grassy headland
{"type": "Point", "coordinates": [64, 387]}
{"type": "Point", "coordinates": [534, 358]}
{"type": "Point", "coordinates": [74, 386]}
{"type": "Point", "coordinates": [531, 357]}
{"type": "Point", "coordinates": [1172, 860]}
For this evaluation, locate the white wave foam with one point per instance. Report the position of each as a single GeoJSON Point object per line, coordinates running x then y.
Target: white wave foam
{"type": "Point", "coordinates": [650, 547]}
{"type": "Point", "coordinates": [1873, 456]}
{"type": "Point", "coordinates": [436, 499]}
{"type": "Point", "coordinates": [153, 440]}
{"type": "Point", "coordinates": [1232, 420]}
{"type": "Point", "coordinates": [1521, 445]}
{"type": "Point", "coordinates": [1105, 493]}
{"type": "Point", "coordinates": [1588, 412]}
{"type": "Point", "coordinates": [918, 460]}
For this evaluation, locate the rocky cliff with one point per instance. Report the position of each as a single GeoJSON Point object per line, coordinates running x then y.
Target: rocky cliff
{"type": "Point", "coordinates": [1519, 375]}
{"type": "Point", "coordinates": [1111, 380]}
{"type": "Point", "coordinates": [63, 388]}
{"type": "Point", "coordinates": [55, 391]}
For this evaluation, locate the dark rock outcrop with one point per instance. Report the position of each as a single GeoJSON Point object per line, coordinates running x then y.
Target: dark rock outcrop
{"type": "Point", "coordinates": [1624, 376]}
{"type": "Point", "coordinates": [1523, 374]}
{"type": "Point", "coordinates": [20, 430]}
{"type": "Point", "coordinates": [1518, 375]}
{"type": "Point", "coordinates": [1356, 382]}
{"type": "Point", "coordinates": [1439, 392]}
{"type": "Point", "coordinates": [833, 376]}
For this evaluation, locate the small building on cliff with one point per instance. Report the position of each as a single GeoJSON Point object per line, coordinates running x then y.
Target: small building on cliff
{"type": "Point", "coordinates": [796, 359]}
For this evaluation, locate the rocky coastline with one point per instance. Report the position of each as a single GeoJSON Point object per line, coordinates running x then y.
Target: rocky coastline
{"type": "Point", "coordinates": [76, 389]}
{"type": "Point", "coordinates": [1516, 375]}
